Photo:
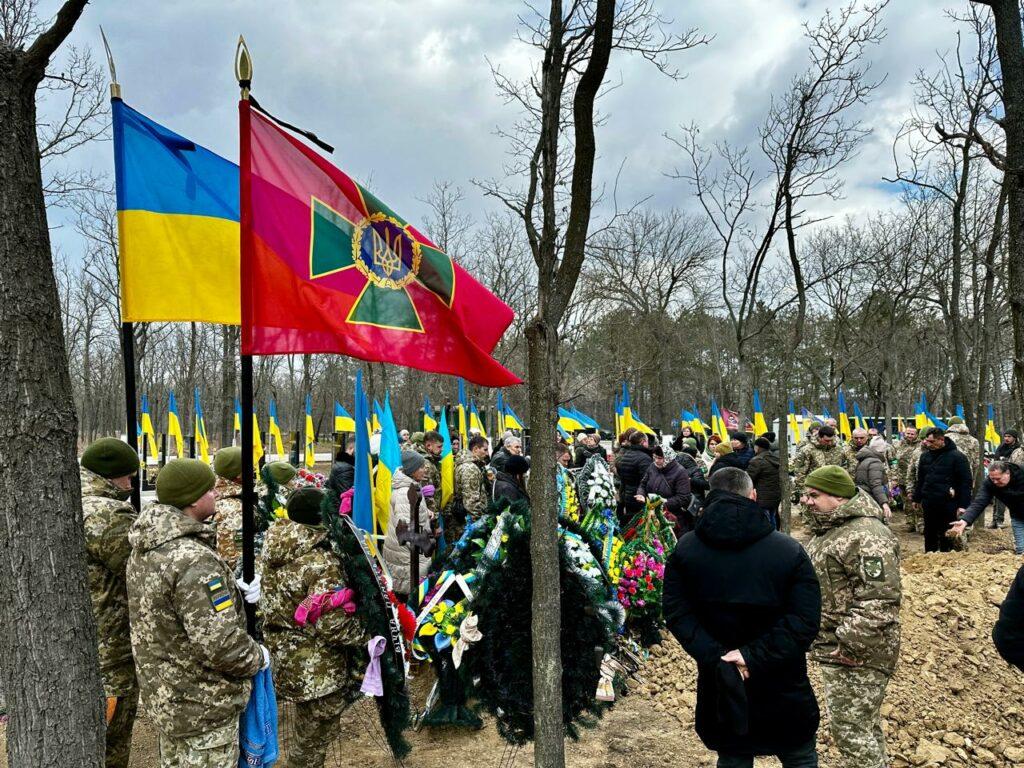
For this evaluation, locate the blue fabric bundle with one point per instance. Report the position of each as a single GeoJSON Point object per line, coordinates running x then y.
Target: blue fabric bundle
{"type": "Point", "coordinates": [258, 726]}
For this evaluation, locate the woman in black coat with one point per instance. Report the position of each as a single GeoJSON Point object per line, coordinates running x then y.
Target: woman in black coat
{"type": "Point", "coordinates": [631, 465]}
{"type": "Point", "coordinates": [510, 482]}
{"type": "Point", "coordinates": [666, 478]}
{"type": "Point", "coordinates": [736, 584]}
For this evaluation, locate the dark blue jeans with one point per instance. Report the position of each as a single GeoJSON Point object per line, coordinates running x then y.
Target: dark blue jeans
{"type": "Point", "coordinates": [805, 756]}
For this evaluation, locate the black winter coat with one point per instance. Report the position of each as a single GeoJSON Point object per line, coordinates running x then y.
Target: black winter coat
{"type": "Point", "coordinates": [671, 482]}
{"type": "Point", "coordinates": [939, 471]}
{"type": "Point", "coordinates": [1008, 632]}
{"type": "Point", "coordinates": [631, 466]}
{"type": "Point", "coordinates": [1012, 496]}
{"type": "Point", "coordinates": [698, 483]}
{"type": "Point", "coordinates": [728, 460]}
{"type": "Point", "coordinates": [506, 487]}
{"type": "Point", "coordinates": [677, 442]}
{"type": "Point", "coordinates": [736, 583]}
{"type": "Point", "coordinates": [764, 471]}
{"type": "Point", "coordinates": [584, 452]}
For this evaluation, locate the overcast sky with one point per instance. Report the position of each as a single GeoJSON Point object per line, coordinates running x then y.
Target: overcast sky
{"type": "Point", "coordinates": [403, 89]}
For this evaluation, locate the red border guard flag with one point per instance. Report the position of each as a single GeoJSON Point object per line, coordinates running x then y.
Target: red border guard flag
{"type": "Point", "coordinates": [327, 267]}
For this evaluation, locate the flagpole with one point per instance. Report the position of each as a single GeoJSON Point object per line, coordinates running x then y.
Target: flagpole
{"type": "Point", "coordinates": [243, 73]}
{"type": "Point", "coordinates": [127, 329]}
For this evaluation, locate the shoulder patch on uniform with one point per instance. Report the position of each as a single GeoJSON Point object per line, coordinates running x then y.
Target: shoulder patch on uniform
{"type": "Point", "coordinates": [220, 597]}
{"type": "Point", "coordinates": [874, 568]}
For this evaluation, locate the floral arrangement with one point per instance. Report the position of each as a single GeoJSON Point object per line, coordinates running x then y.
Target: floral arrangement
{"type": "Point", "coordinates": [640, 585]}
{"type": "Point", "coordinates": [306, 478]}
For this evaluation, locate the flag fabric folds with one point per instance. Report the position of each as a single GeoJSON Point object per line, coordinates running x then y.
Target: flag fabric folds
{"type": "Point", "coordinates": [463, 413]}
{"type": "Point", "coordinates": [274, 428]}
{"type": "Point", "coordinates": [447, 460]}
{"type": "Point", "coordinates": [330, 268]}
{"type": "Point", "coordinates": [362, 496]}
{"type": "Point", "coordinates": [174, 425]}
{"type": "Point", "coordinates": [507, 415]}
{"type": "Point", "coordinates": [343, 421]}
{"type": "Point", "coordinates": [795, 423]}
{"type": "Point", "coordinates": [626, 417]}
{"type": "Point", "coordinates": [760, 426]}
{"type": "Point", "coordinates": [992, 436]}
{"type": "Point", "coordinates": [202, 441]}
{"type": "Point", "coordinates": [146, 423]}
{"type": "Point", "coordinates": [389, 461]}
{"type": "Point", "coordinates": [475, 422]}
{"type": "Point", "coordinates": [859, 421]}
{"type": "Point", "coordinates": [309, 453]}
{"type": "Point", "coordinates": [718, 426]}
{"type": "Point", "coordinates": [238, 417]}
{"type": "Point", "coordinates": [429, 422]}
{"type": "Point", "coordinates": [257, 440]}
{"type": "Point", "coordinates": [844, 419]}
{"type": "Point", "coordinates": [177, 221]}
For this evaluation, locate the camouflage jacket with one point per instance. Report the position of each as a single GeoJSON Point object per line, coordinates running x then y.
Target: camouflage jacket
{"type": "Point", "coordinates": [906, 453]}
{"type": "Point", "coordinates": [309, 662]}
{"type": "Point", "coordinates": [433, 478]}
{"type": "Point", "coordinates": [1017, 457]}
{"type": "Point", "coordinates": [228, 520]}
{"type": "Point", "coordinates": [968, 445]}
{"type": "Point", "coordinates": [107, 517]}
{"type": "Point", "coordinates": [814, 456]}
{"type": "Point", "coordinates": [193, 657]}
{"type": "Point", "coordinates": [471, 485]}
{"type": "Point", "coordinates": [857, 559]}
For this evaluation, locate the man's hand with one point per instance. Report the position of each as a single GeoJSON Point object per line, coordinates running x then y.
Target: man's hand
{"type": "Point", "coordinates": [640, 497]}
{"type": "Point", "coordinates": [735, 657]}
{"type": "Point", "coordinates": [846, 661]}
{"type": "Point", "coordinates": [957, 528]}
{"type": "Point", "coordinates": [886, 511]}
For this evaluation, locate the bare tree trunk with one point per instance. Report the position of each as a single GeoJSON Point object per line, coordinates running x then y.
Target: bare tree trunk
{"type": "Point", "coordinates": [49, 669]}
{"type": "Point", "coordinates": [227, 384]}
{"type": "Point", "coordinates": [1010, 46]}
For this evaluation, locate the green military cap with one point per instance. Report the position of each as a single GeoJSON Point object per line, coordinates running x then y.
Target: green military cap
{"type": "Point", "coordinates": [955, 420]}
{"type": "Point", "coordinates": [183, 482]}
{"type": "Point", "coordinates": [304, 505]}
{"type": "Point", "coordinates": [833, 480]}
{"type": "Point", "coordinates": [228, 462]}
{"type": "Point", "coordinates": [281, 472]}
{"type": "Point", "coordinates": [109, 457]}
{"type": "Point", "coordinates": [416, 437]}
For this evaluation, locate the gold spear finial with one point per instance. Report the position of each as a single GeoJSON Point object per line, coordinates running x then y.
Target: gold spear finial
{"type": "Point", "coordinates": [115, 87]}
{"type": "Point", "coordinates": [243, 67]}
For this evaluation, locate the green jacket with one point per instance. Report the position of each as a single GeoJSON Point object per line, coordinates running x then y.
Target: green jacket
{"type": "Point", "coordinates": [905, 453]}
{"type": "Point", "coordinates": [193, 657]}
{"type": "Point", "coordinates": [107, 517]}
{"type": "Point", "coordinates": [311, 661]}
{"type": "Point", "coordinates": [857, 559]}
{"type": "Point", "coordinates": [813, 456]}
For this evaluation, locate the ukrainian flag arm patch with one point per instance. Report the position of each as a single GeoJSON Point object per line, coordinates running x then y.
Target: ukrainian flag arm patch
{"type": "Point", "coordinates": [220, 597]}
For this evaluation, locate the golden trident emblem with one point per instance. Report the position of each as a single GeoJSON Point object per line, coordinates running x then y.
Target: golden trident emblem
{"type": "Point", "coordinates": [390, 252]}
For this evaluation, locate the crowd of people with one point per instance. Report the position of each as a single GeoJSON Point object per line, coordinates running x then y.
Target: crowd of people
{"type": "Point", "coordinates": [748, 602]}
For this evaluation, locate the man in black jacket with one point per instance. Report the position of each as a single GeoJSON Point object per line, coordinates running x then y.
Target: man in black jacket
{"type": "Point", "coordinates": [1008, 633]}
{"type": "Point", "coordinates": [943, 485]}
{"type": "Point", "coordinates": [744, 602]}
{"type": "Point", "coordinates": [1005, 483]}
{"type": "Point", "coordinates": [764, 471]}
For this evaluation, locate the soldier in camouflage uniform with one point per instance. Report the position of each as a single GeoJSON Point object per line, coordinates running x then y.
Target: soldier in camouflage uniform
{"type": "Point", "coordinates": [317, 662]}
{"type": "Point", "coordinates": [908, 455]}
{"type": "Point", "coordinates": [471, 487]}
{"type": "Point", "coordinates": [106, 474]}
{"type": "Point", "coordinates": [433, 443]}
{"type": "Point", "coordinates": [228, 517]}
{"type": "Point", "coordinates": [857, 560]}
{"type": "Point", "coordinates": [193, 657]}
{"type": "Point", "coordinates": [822, 453]}
{"type": "Point", "coordinates": [968, 445]}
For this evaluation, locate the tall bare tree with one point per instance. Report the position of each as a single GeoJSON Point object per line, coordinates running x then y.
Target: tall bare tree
{"type": "Point", "coordinates": [48, 664]}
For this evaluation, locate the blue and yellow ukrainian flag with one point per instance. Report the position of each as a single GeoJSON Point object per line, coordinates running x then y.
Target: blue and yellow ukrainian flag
{"type": "Point", "coordinates": [343, 421]}
{"type": "Point", "coordinates": [146, 423]}
{"type": "Point", "coordinates": [429, 422]}
{"type": "Point", "coordinates": [509, 418]}
{"type": "Point", "coordinates": [275, 428]}
{"type": "Point", "coordinates": [257, 439]}
{"type": "Point", "coordinates": [202, 441]}
{"type": "Point", "coordinates": [237, 427]}
{"type": "Point", "coordinates": [844, 418]}
{"type": "Point", "coordinates": [991, 434]}
{"type": "Point", "coordinates": [859, 421]}
{"type": "Point", "coordinates": [760, 425]}
{"type": "Point", "coordinates": [697, 422]}
{"type": "Point", "coordinates": [375, 417]}
{"type": "Point", "coordinates": [463, 415]}
{"type": "Point", "coordinates": [447, 460]}
{"type": "Point", "coordinates": [174, 425]}
{"type": "Point", "coordinates": [795, 422]}
{"type": "Point", "coordinates": [627, 418]}
{"type": "Point", "coordinates": [362, 497]}
{"type": "Point", "coordinates": [309, 454]}
{"type": "Point", "coordinates": [475, 422]}
{"type": "Point", "coordinates": [718, 426]}
{"type": "Point", "coordinates": [178, 233]}
{"type": "Point", "coordinates": [390, 460]}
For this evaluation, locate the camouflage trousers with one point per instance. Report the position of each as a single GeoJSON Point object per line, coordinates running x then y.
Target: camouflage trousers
{"type": "Point", "coordinates": [854, 699]}
{"type": "Point", "coordinates": [216, 748]}
{"type": "Point", "coordinates": [120, 721]}
{"type": "Point", "coordinates": [316, 726]}
{"type": "Point", "coordinates": [913, 510]}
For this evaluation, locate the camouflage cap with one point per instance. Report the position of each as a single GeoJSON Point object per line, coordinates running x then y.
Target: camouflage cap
{"type": "Point", "coordinates": [183, 482]}
{"type": "Point", "coordinates": [304, 505]}
{"type": "Point", "coordinates": [109, 457]}
{"type": "Point", "coordinates": [228, 462]}
{"type": "Point", "coordinates": [833, 480]}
